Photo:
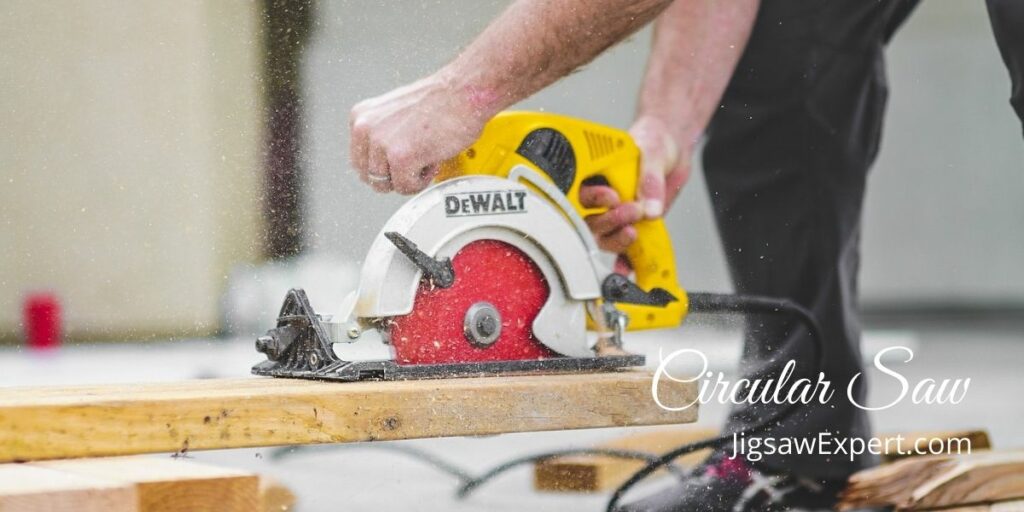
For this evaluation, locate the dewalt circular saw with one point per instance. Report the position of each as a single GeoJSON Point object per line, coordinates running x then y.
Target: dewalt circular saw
{"type": "Point", "coordinates": [492, 269]}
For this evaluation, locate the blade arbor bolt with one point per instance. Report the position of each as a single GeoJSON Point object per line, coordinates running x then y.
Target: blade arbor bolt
{"type": "Point", "coordinates": [482, 325]}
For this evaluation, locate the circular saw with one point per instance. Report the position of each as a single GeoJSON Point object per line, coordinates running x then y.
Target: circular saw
{"type": "Point", "coordinates": [492, 270]}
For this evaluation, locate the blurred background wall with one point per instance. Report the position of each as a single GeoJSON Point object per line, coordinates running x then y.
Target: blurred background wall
{"type": "Point", "coordinates": [944, 224]}
{"type": "Point", "coordinates": [130, 160]}
{"type": "Point", "coordinates": [134, 157]}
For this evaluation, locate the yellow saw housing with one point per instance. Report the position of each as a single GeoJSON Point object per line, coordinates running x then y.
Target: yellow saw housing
{"type": "Point", "coordinates": [569, 152]}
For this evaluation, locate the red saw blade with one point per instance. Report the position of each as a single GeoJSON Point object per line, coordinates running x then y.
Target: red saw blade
{"type": "Point", "coordinates": [486, 272]}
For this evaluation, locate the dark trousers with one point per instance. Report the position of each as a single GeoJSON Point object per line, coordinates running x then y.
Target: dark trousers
{"type": "Point", "coordinates": [786, 160]}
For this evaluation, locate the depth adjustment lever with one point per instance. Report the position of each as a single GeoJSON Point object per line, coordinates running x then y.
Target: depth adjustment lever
{"type": "Point", "coordinates": [439, 270]}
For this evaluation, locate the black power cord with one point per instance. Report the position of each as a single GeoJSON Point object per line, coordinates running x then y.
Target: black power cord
{"type": "Point", "coordinates": [424, 456]}
{"type": "Point", "coordinates": [467, 480]}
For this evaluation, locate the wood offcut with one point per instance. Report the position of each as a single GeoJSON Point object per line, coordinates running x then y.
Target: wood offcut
{"type": "Point", "coordinates": [27, 488]}
{"type": "Point", "coordinates": [137, 484]}
{"type": "Point", "coordinates": [939, 482]}
{"type": "Point", "coordinates": [582, 473]}
{"type": "Point", "coordinates": [163, 484]}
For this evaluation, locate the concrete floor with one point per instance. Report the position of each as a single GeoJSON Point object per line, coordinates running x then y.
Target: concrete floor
{"type": "Point", "coordinates": [363, 477]}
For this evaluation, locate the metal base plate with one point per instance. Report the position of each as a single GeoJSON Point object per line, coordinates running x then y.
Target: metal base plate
{"type": "Point", "coordinates": [388, 370]}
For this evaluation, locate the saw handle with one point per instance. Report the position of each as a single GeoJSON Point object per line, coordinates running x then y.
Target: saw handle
{"type": "Point", "coordinates": [651, 256]}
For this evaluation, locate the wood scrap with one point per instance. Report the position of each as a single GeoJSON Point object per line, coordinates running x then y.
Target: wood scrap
{"type": "Point", "coordinates": [600, 473]}
{"type": "Point", "coordinates": [135, 484]}
{"type": "Point", "coordinates": [27, 488]}
{"type": "Point", "coordinates": [164, 484]}
{"type": "Point", "coordinates": [940, 481]}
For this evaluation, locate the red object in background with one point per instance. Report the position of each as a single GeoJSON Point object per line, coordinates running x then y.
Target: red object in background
{"type": "Point", "coordinates": [42, 321]}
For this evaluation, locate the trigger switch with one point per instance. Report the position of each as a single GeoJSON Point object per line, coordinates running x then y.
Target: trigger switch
{"type": "Point", "coordinates": [551, 151]}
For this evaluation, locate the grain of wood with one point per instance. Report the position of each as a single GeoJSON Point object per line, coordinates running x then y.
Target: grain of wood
{"type": "Point", "coordinates": [940, 481]}
{"type": "Point", "coordinates": [601, 473]}
{"type": "Point", "coordinates": [163, 484]}
{"type": "Point", "coordinates": [971, 480]}
{"type": "Point", "coordinates": [27, 488]}
{"type": "Point", "coordinates": [96, 421]}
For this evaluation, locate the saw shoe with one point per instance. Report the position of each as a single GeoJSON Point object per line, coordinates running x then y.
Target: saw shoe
{"type": "Point", "coordinates": [723, 484]}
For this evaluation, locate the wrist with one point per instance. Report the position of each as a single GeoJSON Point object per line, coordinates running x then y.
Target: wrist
{"type": "Point", "coordinates": [676, 121]}
{"type": "Point", "coordinates": [477, 98]}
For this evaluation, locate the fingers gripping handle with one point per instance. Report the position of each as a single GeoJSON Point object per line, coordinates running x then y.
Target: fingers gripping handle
{"type": "Point", "coordinates": [651, 255]}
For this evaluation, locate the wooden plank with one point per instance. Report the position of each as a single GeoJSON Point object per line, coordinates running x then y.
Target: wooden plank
{"type": "Point", "coordinates": [94, 421]}
{"type": "Point", "coordinates": [972, 480]}
{"type": "Point", "coordinates": [26, 488]}
{"type": "Point", "coordinates": [163, 484]}
{"type": "Point", "coordinates": [891, 483]}
{"type": "Point", "coordinates": [137, 484]}
{"type": "Point", "coordinates": [600, 473]}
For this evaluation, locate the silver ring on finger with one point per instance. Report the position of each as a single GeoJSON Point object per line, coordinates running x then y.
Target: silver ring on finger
{"type": "Point", "coordinates": [378, 178]}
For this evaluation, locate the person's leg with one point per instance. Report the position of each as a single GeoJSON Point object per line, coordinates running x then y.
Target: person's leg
{"type": "Point", "coordinates": [786, 164]}
{"type": "Point", "coordinates": [1007, 17]}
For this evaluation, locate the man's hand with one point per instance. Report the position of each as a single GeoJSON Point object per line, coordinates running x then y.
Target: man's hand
{"type": "Point", "coordinates": [399, 139]}
{"type": "Point", "coordinates": [664, 170]}
{"type": "Point", "coordinates": [613, 229]}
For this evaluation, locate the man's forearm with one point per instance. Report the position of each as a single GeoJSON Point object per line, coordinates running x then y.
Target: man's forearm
{"type": "Point", "coordinates": [536, 42]}
{"type": "Point", "coordinates": [696, 47]}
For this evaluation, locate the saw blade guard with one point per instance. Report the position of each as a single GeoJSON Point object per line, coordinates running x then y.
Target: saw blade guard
{"type": "Point", "coordinates": [448, 216]}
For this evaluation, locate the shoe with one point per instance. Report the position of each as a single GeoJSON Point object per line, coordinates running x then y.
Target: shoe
{"type": "Point", "coordinates": [723, 484]}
